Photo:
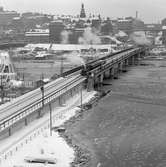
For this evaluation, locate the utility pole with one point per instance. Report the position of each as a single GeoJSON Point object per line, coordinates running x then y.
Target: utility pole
{"type": "Point", "coordinates": [42, 91]}
{"type": "Point", "coordinates": [2, 91]}
{"type": "Point", "coordinates": [50, 119]}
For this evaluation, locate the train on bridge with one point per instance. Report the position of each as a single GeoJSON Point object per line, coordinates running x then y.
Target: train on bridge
{"type": "Point", "coordinates": [94, 72]}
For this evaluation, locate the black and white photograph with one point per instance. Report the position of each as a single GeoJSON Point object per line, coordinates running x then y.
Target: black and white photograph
{"type": "Point", "coordinates": [82, 83]}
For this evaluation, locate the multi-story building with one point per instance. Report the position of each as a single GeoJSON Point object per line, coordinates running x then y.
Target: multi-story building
{"type": "Point", "coordinates": [163, 22]}
{"type": "Point", "coordinates": [106, 27]}
{"type": "Point", "coordinates": [75, 34]}
{"type": "Point", "coordinates": [37, 36]}
{"type": "Point", "coordinates": [55, 30]}
{"type": "Point", "coordinates": [164, 35]}
{"type": "Point", "coordinates": [129, 24]}
{"type": "Point", "coordinates": [6, 17]}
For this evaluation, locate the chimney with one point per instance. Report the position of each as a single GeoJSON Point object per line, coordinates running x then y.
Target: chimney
{"type": "Point", "coordinates": [136, 14]}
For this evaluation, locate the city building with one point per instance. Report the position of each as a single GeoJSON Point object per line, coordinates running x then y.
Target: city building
{"type": "Point", "coordinates": [55, 30]}
{"type": "Point", "coordinates": [6, 17]}
{"type": "Point", "coordinates": [163, 22]}
{"type": "Point", "coordinates": [130, 24]}
{"type": "Point", "coordinates": [164, 35]}
{"type": "Point", "coordinates": [37, 36]}
{"type": "Point", "coordinates": [96, 23]}
{"type": "Point", "coordinates": [107, 27]}
{"type": "Point", "coordinates": [75, 34]}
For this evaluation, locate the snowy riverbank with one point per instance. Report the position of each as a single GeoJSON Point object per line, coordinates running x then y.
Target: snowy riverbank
{"type": "Point", "coordinates": [50, 146]}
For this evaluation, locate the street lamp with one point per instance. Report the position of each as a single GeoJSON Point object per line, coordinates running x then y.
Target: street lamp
{"type": "Point", "coordinates": [42, 90]}
{"type": "Point", "coordinates": [50, 119]}
{"type": "Point", "coordinates": [50, 108]}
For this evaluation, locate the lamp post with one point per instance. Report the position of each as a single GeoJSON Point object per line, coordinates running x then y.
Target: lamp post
{"type": "Point", "coordinates": [42, 90]}
{"type": "Point", "coordinates": [2, 91]}
{"type": "Point", "coordinates": [50, 119]}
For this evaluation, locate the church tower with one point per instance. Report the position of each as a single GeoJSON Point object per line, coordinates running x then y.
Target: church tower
{"type": "Point", "coordinates": [82, 13]}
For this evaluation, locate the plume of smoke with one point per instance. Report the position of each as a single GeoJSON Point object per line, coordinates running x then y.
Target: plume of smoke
{"type": "Point", "coordinates": [89, 37]}
{"type": "Point", "coordinates": [74, 58]}
{"type": "Point", "coordinates": [140, 38]}
{"type": "Point", "coordinates": [65, 37]}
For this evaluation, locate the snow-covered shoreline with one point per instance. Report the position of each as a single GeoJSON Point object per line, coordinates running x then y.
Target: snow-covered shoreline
{"type": "Point", "coordinates": [42, 143]}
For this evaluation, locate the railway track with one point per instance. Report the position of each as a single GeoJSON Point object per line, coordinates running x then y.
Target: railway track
{"type": "Point", "coordinates": [32, 101]}
{"type": "Point", "coordinates": [22, 106]}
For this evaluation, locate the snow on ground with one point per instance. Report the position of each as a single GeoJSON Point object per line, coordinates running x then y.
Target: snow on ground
{"type": "Point", "coordinates": [45, 145]}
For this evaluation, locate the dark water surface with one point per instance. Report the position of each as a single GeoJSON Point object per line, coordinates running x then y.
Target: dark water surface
{"type": "Point", "coordinates": [128, 127]}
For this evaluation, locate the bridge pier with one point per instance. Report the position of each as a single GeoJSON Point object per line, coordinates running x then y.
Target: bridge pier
{"type": "Point", "coordinates": [61, 101]}
{"type": "Point", "coordinates": [138, 58]}
{"type": "Point", "coordinates": [10, 131]}
{"type": "Point", "coordinates": [107, 74]}
{"type": "Point", "coordinates": [26, 122]}
{"type": "Point", "coordinates": [125, 65]}
{"type": "Point", "coordinates": [112, 71]}
{"type": "Point", "coordinates": [133, 60]}
{"type": "Point", "coordinates": [120, 67]}
{"type": "Point", "coordinates": [90, 83]}
{"type": "Point", "coordinates": [116, 72]}
{"type": "Point", "coordinates": [101, 79]}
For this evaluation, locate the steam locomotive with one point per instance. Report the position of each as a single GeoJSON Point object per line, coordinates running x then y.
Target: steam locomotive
{"type": "Point", "coordinates": [85, 70]}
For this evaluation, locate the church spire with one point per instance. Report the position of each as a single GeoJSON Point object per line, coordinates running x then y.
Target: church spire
{"type": "Point", "coordinates": [82, 13]}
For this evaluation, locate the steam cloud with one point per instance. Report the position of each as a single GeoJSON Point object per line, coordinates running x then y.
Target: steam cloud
{"type": "Point", "coordinates": [74, 58]}
{"type": "Point", "coordinates": [65, 37]}
{"type": "Point", "coordinates": [89, 37]}
{"type": "Point", "coordinates": [140, 38]}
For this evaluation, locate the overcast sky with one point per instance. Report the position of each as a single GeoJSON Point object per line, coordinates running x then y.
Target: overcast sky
{"type": "Point", "coordinates": [149, 10]}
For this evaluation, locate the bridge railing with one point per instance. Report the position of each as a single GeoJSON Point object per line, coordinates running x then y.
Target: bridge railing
{"type": "Point", "coordinates": [37, 105]}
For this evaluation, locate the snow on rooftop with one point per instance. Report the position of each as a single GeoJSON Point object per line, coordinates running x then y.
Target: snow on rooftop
{"type": "Point", "coordinates": [32, 46]}
{"type": "Point", "coordinates": [164, 27]}
{"type": "Point", "coordinates": [121, 34]}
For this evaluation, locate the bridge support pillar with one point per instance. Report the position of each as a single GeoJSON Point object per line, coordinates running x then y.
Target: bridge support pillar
{"type": "Point", "coordinates": [112, 71]}
{"type": "Point", "coordinates": [126, 62]}
{"type": "Point", "coordinates": [107, 74]}
{"type": "Point", "coordinates": [101, 79]}
{"type": "Point", "coordinates": [116, 72]}
{"type": "Point", "coordinates": [39, 113]}
{"type": "Point", "coordinates": [138, 58]}
{"type": "Point", "coordinates": [90, 83]}
{"type": "Point", "coordinates": [125, 65]}
{"type": "Point", "coordinates": [133, 60]}
{"type": "Point", "coordinates": [129, 61]}
{"type": "Point", "coordinates": [61, 101]}
{"type": "Point", "coordinates": [120, 67]}
{"type": "Point", "coordinates": [26, 121]}
{"type": "Point", "coordinates": [71, 93]}
{"type": "Point", "coordinates": [10, 131]}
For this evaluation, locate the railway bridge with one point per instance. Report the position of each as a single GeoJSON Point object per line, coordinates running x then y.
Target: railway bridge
{"type": "Point", "coordinates": [21, 109]}
{"type": "Point", "coordinates": [35, 104]}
